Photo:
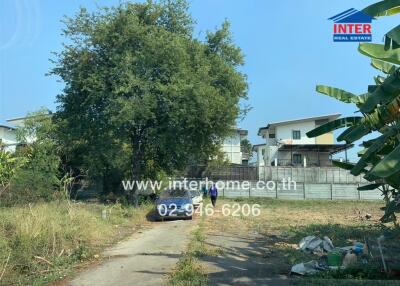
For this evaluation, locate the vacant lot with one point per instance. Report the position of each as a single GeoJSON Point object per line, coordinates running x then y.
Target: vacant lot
{"type": "Point", "coordinates": [45, 242]}
{"type": "Point", "coordinates": [260, 250]}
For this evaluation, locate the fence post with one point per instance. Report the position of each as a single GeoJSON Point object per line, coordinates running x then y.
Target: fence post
{"type": "Point", "coordinates": [304, 190]}
{"type": "Point", "coordinates": [326, 173]}
{"type": "Point", "coordinates": [223, 192]}
{"type": "Point", "coordinates": [359, 193]}
{"type": "Point", "coordinates": [331, 191]}
{"type": "Point", "coordinates": [276, 189]}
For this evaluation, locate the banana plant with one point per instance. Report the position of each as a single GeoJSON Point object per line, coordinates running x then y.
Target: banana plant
{"type": "Point", "coordinates": [379, 108]}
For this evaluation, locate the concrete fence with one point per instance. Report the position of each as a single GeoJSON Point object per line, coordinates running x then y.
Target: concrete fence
{"type": "Point", "coordinates": [325, 175]}
{"type": "Point", "coordinates": [305, 191]}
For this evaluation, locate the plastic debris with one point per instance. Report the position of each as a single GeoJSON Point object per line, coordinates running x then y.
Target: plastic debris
{"type": "Point", "coordinates": [314, 244]}
{"type": "Point", "coordinates": [305, 268]}
{"type": "Point", "coordinates": [331, 258]}
{"type": "Point", "coordinates": [349, 259]}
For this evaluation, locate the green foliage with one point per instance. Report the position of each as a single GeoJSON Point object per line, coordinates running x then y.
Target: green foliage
{"type": "Point", "coordinates": [188, 271]}
{"type": "Point", "coordinates": [33, 171]}
{"type": "Point", "coordinates": [339, 94]}
{"type": "Point", "coordinates": [246, 147]}
{"type": "Point", "coordinates": [9, 165]}
{"type": "Point", "coordinates": [383, 8]}
{"type": "Point", "coordinates": [380, 108]}
{"type": "Point", "coordinates": [142, 95]}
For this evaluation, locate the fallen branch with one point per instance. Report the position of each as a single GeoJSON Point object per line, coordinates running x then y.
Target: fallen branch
{"type": "Point", "coordinates": [44, 260]}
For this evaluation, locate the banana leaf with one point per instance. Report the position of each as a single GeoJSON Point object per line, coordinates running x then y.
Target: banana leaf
{"type": "Point", "coordinates": [378, 144]}
{"type": "Point", "coordinates": [390, 165]}
{"type": "Point", "coordinates": [367, 143]}
{"type": "Point", "coordinates": [377, 51]}
{"type": "Point", "coordinates": [370, 187]}
{"type": "Point", "coordinates": [354, 134]}
{"type": "Point", "coordinates": [346, 132]}
{"type": "Point", "coordinates": [339, 94]}
{"type": "Point", "coordinates": [392, 38]}
{"type": "Point", "coordinates": [383, 66]}
{"type": "Point", "coordinates": [370, 178]}
{"type": "Point", "coordinates": [361, 152]}
{"type": "Point", "coordinates": [393, 181]}
{"type": "Point", "coordinates": [383, 8]}
{"type": "Point", "coordinates": [333, 125]}
{"type": "Point", "coordinates": [384, 93]}
{"type": "Point", "coordinates": [387, 148]}
{"type": "Point", "coordinates": [343, 165]}
{"type": "Point", "coordinates": [379, 79]}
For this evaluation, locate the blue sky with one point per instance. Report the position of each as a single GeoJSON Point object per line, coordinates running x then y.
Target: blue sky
{"type": "Point", "coordinates": [287, 45]}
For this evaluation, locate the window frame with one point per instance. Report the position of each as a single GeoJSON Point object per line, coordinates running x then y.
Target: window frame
{"type": "Point", "coordinates": [299, 157]}
{"type": "Point", "coordinates": [296, 132]}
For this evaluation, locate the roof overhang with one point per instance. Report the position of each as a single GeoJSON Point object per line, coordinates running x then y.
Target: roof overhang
{"type": "Point", "coordinates": [326, 148]}
{"type": "Point", "coordinates": [7, 127]}
{"type": "Point", "coordinates": [261, 129]}
{"type": "Point", "coordinates": [243, 132]}
{"type": "Point", "coordinates": [21, 119]}
{"type": "Point", "coordinates": [255, 147]}
{"type": "Point", "coordinates": [299, 120]}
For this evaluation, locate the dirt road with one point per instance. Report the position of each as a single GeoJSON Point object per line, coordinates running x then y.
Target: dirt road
{"type": "Point", "coordinates": [245, 259]}
{"type": "Point", "coordinates": [144, 259]}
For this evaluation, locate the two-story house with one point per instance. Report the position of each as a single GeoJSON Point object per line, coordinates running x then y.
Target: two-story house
{"type": "Point", "coordinates": [286, 143]}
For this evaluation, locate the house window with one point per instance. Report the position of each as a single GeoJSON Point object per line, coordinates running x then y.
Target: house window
{"type": "Point", "coordinates": [296, 134]}
{"type": "Point", "coordinates": [297, 159]}
{"type": "Point", "coordinates": [272, 136]}
{"type": "Point", "coordinates": [263, 152]}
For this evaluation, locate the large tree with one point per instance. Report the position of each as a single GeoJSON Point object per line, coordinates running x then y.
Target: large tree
{"type": "Point", "coordinates": [142, 94]}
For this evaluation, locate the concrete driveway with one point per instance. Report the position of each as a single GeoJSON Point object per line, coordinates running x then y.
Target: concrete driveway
{"type": "Point", "coordinates": [144, 259]}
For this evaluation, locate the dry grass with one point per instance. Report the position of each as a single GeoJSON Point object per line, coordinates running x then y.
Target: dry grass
{"type": "Point", "coordinates": [282, 224]}
{"type": "Point", "coordinates": [42, 242]}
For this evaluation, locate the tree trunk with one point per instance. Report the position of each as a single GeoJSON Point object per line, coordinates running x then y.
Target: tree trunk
{"type": "Point", "coordinates": [136, 167]}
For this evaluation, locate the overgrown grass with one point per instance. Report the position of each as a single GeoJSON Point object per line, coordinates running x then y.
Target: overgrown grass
{"type": "Point", "coordinates": [188, 271]}
{"type": "Point", "coordinates": [42, 242]}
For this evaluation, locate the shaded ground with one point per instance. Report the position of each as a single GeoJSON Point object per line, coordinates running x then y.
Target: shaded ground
{"type": "Point", "coordinates": [143, 259]}
{"type": "Point", "coordinates": [245, 256]}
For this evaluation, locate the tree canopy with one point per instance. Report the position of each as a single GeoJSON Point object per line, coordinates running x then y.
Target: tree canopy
{"type": "Point", "coordinates": [142, 94]}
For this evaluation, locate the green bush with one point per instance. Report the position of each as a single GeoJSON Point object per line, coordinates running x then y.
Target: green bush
{"type": "Point", "coordinates": [32, 172]}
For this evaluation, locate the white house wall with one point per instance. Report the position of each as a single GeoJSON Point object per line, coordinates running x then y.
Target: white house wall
{"type": "Point", "coordinates": [260, 155]}
{"type": "Point", "coordinates": [8, 137]}
{"type": "Point", "coordinates": [284, 132]}
{"type": "Point", "coordinates": [231, 148]}
{"type": "Point", "coordinates": [271, 154]}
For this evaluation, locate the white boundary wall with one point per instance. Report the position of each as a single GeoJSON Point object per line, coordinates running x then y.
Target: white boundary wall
{"type": "Point", "coordinates": [305, 191]}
